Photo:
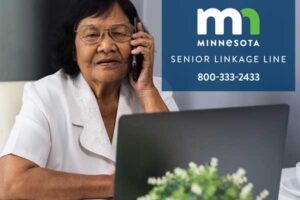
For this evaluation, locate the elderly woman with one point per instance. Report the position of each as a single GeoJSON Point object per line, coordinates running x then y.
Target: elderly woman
{"type": "Point", "coordinates": [63, 143]}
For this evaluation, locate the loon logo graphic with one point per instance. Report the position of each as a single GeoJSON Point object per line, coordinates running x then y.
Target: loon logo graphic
{"type": "Point", "coordinates": [236, 17]}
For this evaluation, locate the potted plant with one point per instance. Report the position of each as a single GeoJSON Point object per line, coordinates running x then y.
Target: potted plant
{"type": "Point", "coordinates": [202, 183]}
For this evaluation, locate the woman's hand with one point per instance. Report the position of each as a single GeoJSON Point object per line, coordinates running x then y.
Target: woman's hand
{"type": "Point", "coordinates": [143, 43]}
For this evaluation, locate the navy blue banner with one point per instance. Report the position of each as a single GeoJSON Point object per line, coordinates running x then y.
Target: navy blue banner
{"type": "Point", "coordinates": [228, 45]}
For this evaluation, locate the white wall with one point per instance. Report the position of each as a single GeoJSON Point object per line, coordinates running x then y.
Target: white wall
{"type": "Point", "coordinates": [139, 4]}
{"type": "Point", "coordinates": [197, 100]}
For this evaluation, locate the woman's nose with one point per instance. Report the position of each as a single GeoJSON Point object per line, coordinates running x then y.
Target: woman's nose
{"type": "Point", "coordinates": [106, 44]}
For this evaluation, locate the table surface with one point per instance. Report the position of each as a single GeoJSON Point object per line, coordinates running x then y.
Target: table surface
{"type": "Point", "coordinates": [287, 173]}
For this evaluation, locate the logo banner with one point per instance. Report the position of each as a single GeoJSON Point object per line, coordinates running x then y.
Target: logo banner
{"type": "Point", "coordinates": [228, 45]}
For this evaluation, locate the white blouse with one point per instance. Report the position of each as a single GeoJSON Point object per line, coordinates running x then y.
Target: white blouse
{"type": "Point", "coordinates": [60, 126]}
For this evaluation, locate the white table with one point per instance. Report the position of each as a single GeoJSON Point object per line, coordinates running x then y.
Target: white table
{"type": "Point", "coordinates": [287, 173]}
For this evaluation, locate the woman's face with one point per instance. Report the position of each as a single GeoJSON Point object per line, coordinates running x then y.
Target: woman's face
{"type": "Point", "coordinates": [106, 60]}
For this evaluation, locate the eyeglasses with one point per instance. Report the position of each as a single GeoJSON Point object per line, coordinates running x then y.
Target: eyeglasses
{"type": "Point", "coordinates": [117, 32]}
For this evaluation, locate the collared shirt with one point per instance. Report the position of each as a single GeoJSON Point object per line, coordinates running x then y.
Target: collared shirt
{"type": "Point", "coordinates": [60, 126]}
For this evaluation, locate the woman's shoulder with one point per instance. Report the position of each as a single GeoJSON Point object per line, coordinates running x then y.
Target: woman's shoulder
{"type": "Point", "coordinates": [49, 87]}
{"type": "Point", "coordinates": [55, 79]}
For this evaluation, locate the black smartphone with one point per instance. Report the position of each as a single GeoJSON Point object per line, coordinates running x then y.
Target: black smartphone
{"type": "Point", "coordinates": [137, 60]}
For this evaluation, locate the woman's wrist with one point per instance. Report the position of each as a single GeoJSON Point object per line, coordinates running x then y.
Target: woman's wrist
{"type": "Point", "coordinates": [146, 92]}
{"type": "Point", "coordinates": [152, 101]}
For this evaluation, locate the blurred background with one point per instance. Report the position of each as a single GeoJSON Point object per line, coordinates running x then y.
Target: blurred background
{"type": "Point", "coordinates": [27, 27]}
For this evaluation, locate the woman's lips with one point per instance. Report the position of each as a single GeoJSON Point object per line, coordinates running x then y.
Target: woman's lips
{"type": "Point", "coordinates": [108, 63]}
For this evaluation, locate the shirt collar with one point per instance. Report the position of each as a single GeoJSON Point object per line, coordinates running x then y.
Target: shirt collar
{"type": "Point", "coordinates": [85, 113]}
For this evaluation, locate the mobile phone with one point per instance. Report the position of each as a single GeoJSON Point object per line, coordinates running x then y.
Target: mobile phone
{"type": "Point", "coordinates": [137, 60]}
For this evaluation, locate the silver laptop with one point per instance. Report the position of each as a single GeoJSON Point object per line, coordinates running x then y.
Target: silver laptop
{"type": "Point", "coordinates": [249, 137]}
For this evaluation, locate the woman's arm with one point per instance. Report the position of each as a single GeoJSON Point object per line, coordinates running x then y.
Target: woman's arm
{"type": "Point", "coordinates": [152, 101]}
{"type": "Point", "coordinates": [145, 89]}
{"type": "Point", "coordinates": [22, 179]}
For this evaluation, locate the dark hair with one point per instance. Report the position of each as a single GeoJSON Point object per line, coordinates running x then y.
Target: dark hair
{"type": "Point", "coordinates": [64, 42]}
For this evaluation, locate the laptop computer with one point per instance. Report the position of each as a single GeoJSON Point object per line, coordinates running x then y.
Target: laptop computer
{"type": "Point", "coordinates": [249, 137]}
